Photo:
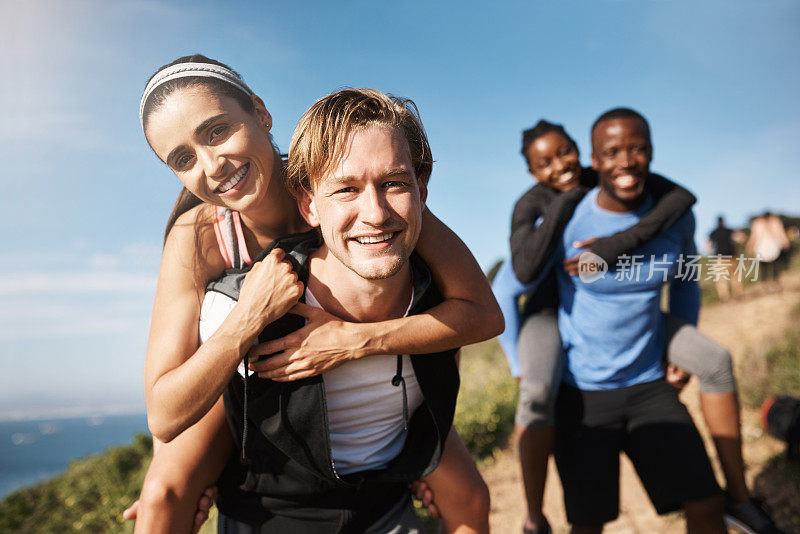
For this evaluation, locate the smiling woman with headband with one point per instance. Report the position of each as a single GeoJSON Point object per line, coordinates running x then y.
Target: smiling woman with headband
{"type": "Point", "coordinates": [204, 122]}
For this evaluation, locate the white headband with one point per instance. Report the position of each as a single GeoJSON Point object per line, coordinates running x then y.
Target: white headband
{"type": "Point", "coordinates": [183, 70]}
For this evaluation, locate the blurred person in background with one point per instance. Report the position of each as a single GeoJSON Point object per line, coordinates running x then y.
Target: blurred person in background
{"type": "Point", "coordinates": [723, 241]}
{"type": "Point", "coordinates": [770, 244]}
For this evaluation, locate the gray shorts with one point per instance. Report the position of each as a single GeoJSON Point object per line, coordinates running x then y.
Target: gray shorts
{"type": "Point", "coordinates": [541, 362]}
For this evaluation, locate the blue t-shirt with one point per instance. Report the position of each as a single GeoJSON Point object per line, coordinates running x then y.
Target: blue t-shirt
{"type": "Point", "coordinates": [612, 328]}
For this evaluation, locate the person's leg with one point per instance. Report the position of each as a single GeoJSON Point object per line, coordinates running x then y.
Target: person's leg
{"type": "Point", "coordinates": [767, 271]}
{"type": "Point", "coordinates": [534, 446]}
{"type": "Point", "coordinates": [723, 291]}
{"type": "Point", "coordinates": [459, 492]}
{"type": "Point", "coordinates": [179, 473]}
{"type": "Point", "coordinates": [711, 363]}
{"type": "Point", "coordinates": [737, 289]}
{"type": "Point", "coordinates": [721, 412]}
{"type": "Point", "coordinates": [703, 516]}
{"type": "Point", "coordinates": [541, 362]}
{"type": "Point", "coordinates": [668, 454]}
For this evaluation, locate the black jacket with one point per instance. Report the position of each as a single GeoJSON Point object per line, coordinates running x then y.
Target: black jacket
{"type": "Point", "coordinates": [532, 246]}
{"type": "Point", "coordinates": [287, 468]}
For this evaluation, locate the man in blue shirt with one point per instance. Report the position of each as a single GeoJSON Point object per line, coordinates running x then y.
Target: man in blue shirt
{"type": "Point", "coordinates": [614, 397]}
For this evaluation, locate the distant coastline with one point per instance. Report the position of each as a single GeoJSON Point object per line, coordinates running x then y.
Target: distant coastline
{"type": "Point", "coordinates": [70, 412]}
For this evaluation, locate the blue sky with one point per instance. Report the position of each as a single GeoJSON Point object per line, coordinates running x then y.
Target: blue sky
{"type": "Point", "coordinates": [88, 200]}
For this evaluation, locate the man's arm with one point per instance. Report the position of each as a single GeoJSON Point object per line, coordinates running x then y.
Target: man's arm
{"type": "Point", "coordinates": [671, 202]}
{"type": "Point", "coordinates": [532, 244]}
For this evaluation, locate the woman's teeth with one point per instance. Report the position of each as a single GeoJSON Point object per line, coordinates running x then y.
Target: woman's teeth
{"type": "Point", "coordinates": [235, 179]}
{"type": "Point", "coordinates": [566, 177]}
{"type": "Point", "coordinates": [368, 240]}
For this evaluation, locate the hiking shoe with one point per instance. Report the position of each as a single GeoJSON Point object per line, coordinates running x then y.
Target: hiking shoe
{"type": "Point", "coordinates": [544, 528]}
{"type": "Point", "coordinates": [749, 517]}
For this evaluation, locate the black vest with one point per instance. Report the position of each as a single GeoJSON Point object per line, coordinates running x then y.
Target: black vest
{"type": "Point", "coordinates": [285, 468]}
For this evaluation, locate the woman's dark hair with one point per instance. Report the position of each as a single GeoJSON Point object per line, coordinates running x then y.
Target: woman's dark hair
{"type": "Point", "coordinates": [543, 127]}
{"type": "Point", "coordinates": [186, 200]}
{"type": "Point", "coordinates": [217, 86]}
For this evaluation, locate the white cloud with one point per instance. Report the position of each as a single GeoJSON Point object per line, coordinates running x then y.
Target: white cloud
{"type": "Point", "coordinates": [66, 327]}
{"type": "Point", "coordinates": [76, 293]}
{"type": "Point", "coordinates": [38, 123]}
{"type": "Point", "coordinates": [29, 317]}
{"type": "Point", "coordinates": [82, 255]}
{"type": "Point", "coordinates": [134, 255]}
{"type": "Point", "coordinates": [104, 261]}
{"type": "Point", "coordinates": [29, 283]}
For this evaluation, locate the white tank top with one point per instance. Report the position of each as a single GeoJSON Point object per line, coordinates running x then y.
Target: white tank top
{"type": "Point", "coordinates": [365, 411]}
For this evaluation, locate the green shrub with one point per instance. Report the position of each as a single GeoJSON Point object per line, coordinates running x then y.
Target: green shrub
{"type": "Point", "coordinates": [88, 497]}
{"type": "Point", "coordinates": [775, 372]}
{"type": "Point", "coordinates": [487, 401]}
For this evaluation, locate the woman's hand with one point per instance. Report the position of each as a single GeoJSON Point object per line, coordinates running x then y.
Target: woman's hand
{"type": "Point", "coordinates": [324, 343]}
{"type": "Point", "coordinates": [269, 290]}
{"type": "Point", "coordinates": [203, 507]}
{"type": "Point", "coordinates": [677, 377]}
{"type": "Point", "coordinates": [423, 493]}
{"type": "Point", "coordinates": [572, 265]}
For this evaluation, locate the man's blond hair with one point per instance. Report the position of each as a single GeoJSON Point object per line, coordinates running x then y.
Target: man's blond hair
{"type": "Point", "coordinates": [319, 141]}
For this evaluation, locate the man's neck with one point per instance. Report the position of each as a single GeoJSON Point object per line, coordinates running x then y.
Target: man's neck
{"type": "Point", "coordinates": [347, 295]}
{"type": "Point", "coordinates": [609, 202]}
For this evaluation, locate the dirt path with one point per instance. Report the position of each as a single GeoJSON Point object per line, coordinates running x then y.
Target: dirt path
{"type": "Point", "coordinates": [745, 326]}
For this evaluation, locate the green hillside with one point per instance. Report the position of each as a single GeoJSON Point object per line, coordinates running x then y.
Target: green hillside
{"type": "Point", "coordinates": [88, 497]}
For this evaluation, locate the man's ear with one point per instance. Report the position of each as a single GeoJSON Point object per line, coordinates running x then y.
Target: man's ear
{"type": "Point", "coordinates": [423, 193]}
{"type": "Point", "coordinates": [307, 208]}
{"type": "Point", "coordinates": [595, 162]}
{"type": "Point", "coordinates": [264, 118]}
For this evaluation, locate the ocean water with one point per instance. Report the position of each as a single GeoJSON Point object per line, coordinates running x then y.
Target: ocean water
{"type": "Point", "coordinates": [32, 451]}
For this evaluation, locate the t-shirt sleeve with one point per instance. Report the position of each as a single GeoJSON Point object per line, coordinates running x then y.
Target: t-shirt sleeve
{"type": "Point", "coordinates": [507, 290]}
{"type": "Point", "coordinates": [671, 202]}
{"type": "Point", "coordinates": [532, 244]}
{"type": "Point", "coordinates": [684, 294]}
